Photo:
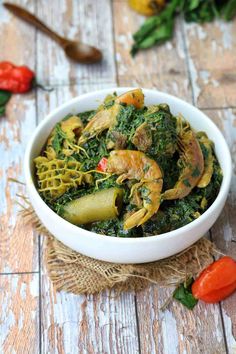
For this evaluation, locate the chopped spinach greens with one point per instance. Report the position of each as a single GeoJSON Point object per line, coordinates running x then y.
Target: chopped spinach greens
{"type": "Point", "coordinates": [86, 116]}
{"type": "Point", "coordinates": [163, 130]}
{"type": "Point", "coordinates": [114, 228]}
{"type": "Point", "coordinates": [128, 120]}
{"type": "Point", "coordinates": [58, 139]}
{"type": "Point", "coordinates": [96, 149]}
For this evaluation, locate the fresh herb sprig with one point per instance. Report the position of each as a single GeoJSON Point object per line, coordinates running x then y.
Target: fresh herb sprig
{"type": "Point", "coordinates": [160, 28]}
{"type": "Point", "coordinates": [184, 294]}
{"type": "Point", "coordinates": [4, 98]}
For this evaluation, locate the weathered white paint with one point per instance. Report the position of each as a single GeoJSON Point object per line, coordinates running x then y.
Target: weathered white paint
{"type": "Point", "coordinates": [169, 326]}
{"type": "Point", "coordinates": [212, 47]}
{"type": "Point", "coordinates": [192, 69]}
{"type": "Point", "coordinates": [88, 21]}
{"type": "Point", "coordinates": [19, 321]}
{"type": "Point", "coordinates": [227, 34]}
{"type": "Point", "coordinates": [15, 130]}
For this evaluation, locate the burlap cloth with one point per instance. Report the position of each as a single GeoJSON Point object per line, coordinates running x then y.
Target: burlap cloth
{"type": "Point", "coordinates": [73, 272]}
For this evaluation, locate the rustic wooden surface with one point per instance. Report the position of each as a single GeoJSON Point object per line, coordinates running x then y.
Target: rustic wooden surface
{"type": "Point", "coordinates": [199, 65]}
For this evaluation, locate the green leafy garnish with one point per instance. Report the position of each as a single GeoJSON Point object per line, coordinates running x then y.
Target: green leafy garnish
{"type": "Point", "coordinates": [160, 28]}
{"type": "Point", "coordinates": [2, 110]}
{"type": "Point", "coordinates": [229, 10]}
{"type": "Point", "coordinates": [184, 295]}
{"type": "Point", "coordinates": [4, 98]}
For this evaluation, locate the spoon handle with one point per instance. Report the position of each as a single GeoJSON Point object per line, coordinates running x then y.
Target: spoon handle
{"type": "Point", "coordinates": [28, 17]}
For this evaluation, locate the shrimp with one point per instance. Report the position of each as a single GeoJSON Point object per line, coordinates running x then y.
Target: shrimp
{"type": "Point", "coordinates": [71, 128]}
{"type": "Point", "coordinates": [106, 118]}
{"type": "Point", "coordinates": [192, 159]}
{"type": "Point", "coordinates": [135, 165]}
{"type": "Point", "coordinates": [208, 161]}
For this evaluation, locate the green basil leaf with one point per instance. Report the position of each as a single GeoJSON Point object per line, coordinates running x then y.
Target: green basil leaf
{"type": "Point", "coordinates": [200, 11]}
{"type": "Point", "coordinates": [4, 97]}
{"type": "Point", "coordinates": [184, 295]}
{"type": "Point", "coordinates": [193, 4]}
{"type": "Point", "coordinates": [2, 110]}
{"type": "Point", "coordinates": [229, 10]}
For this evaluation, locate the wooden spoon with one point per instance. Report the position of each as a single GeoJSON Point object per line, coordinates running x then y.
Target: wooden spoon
{"type": "Point", "coordinates": [77, 51]}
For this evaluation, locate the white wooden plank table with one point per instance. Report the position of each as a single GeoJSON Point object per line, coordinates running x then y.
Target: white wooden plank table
{"type": "Point", "coordinates": [198, 65]}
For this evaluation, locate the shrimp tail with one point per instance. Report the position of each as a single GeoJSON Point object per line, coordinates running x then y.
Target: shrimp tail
{"type": "Point", "coordinates": [135, 219]}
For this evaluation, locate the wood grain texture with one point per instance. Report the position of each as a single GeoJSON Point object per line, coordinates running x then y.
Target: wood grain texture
{"type": "Point", "coordinates": [224, 230]}
{"type": "Point", "coordinates": [162, 67]}
{"type": "Point", "coordinates": [15, 128]}
{"type": "Point", "coordinates": [89, 21]}
{"type": "Point", "coordinates": [87, 324]}
{"type": "Point", "coordinates": [212, 63]}
{"type": "Point", "coordinates": [176, 329]}
{"type": "Point", "coordinates": [19, 315]}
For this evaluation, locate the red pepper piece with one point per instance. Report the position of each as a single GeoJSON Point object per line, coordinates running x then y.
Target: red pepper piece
{"type": "Point", "coordinates": [216, 282]}
{"type": "Point", "coordinates": [16, 79]}
{"type": "Point", "coordinates": [102, 165]}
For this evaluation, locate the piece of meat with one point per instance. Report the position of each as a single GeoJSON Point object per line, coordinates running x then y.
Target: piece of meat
{"type": "Point", "coordinates": [117, 142]}
{"type": "Point", "coordinates": [142, 138]}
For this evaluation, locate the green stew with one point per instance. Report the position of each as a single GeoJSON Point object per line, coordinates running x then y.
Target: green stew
{"type": "Point", "coordinates": [128, 170]}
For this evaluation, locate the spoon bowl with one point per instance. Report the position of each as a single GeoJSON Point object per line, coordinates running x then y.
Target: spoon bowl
{"type": "Point", "coordinates": [81, 52]}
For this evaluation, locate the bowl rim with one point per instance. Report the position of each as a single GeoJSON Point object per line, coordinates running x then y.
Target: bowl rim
{"type": "Point", "coordinates": [33, 193]}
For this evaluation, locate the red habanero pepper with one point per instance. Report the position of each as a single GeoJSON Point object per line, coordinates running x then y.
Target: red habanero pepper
{"type": "Point", "coordinates": [216, 282]}
{"type": "Point", "coordinates": [16, 79]}
{"type": "Point", "coordinates": [102, 165]}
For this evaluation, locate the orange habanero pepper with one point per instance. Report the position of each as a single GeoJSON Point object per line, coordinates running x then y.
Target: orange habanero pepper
{"type": "Point", "coordinates": [216, 282]}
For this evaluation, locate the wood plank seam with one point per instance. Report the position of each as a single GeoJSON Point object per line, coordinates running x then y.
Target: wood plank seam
{"type": "Point", "coordinates": [223, 327]}
{"type": "Point", "coordinates": [17, 273]}
{"type": "Point", "coordinates": [137, 324]}
{"type": "Point", "coordinates": [80, 82]}
{"type": "Point", "coordinates": [216, 108]}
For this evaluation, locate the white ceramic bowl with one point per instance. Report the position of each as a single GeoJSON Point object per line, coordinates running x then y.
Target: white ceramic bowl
{"type": "Point", "coordinates": [127, 250]}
